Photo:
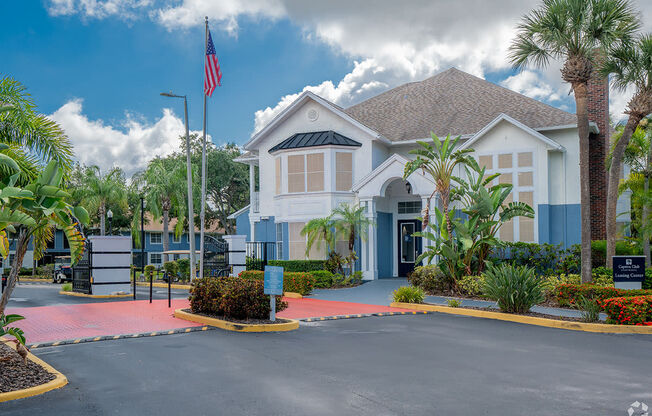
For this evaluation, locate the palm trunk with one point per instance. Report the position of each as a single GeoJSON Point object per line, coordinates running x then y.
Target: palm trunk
{"type": "Point", "coordinates": [166, 236]}
{"type": "Point", "coordinates": [612, 189]}
{"type": "Point", "coordinates": [445, 195]}
{"type": "Point", "coordinates": [21, 248]}
{"type": "Point", "coordinates": [646, 210]}
{"type": "Point", "coordinates": [580, 90]}
{"type": "Point", "coordinates": [102, 212]}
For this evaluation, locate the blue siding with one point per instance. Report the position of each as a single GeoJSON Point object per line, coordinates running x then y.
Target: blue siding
{"type": "Point", "coordinates": [286, 241]}
{"type": "Point", "coordinates": [384, 225]}
{"type": "Point", "coordinates": [560, 224]}
{"type": "Point", "coordinates": [265, 230]}
{"type": "Point", "coordinates": [242, 225]}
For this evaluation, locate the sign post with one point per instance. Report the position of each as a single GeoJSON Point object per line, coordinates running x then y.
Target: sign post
{"type": "Point", "coordinates": [273, 286]}
{"type": "Point", "coordinates": [629, 271]}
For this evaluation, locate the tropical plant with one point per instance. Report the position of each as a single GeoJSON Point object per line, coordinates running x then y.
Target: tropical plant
{"type": "Point", "coordinates": [100, 191]}
{"type": "Point", "coordinates": [351, 223]}
{"type": "Point", "coordinates": [589, 309]}
{"type": "Point", "coordinates": [577, 32]}
{"type": "Point", "coordinates": [454, 303]}
{"type": "Point", "coordinates": [438, 161]}
{"type": "Point", "coordinates": [629, 65]}
{"type": "Point", "coordinates": [15, 332]}
{"type": "Point", "coordinates": [515, 289]}
{"type": "Point", "coordinates": [408, 294]}
{"type": "Point", "coordinates": [319, 230]}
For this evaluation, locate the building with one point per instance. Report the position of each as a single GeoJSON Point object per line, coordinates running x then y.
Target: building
{"type": "Point", "coordinates": [315, 155]}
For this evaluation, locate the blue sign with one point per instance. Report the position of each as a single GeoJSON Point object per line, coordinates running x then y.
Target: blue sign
{"type": "Point", "coordinates": [273, 280]}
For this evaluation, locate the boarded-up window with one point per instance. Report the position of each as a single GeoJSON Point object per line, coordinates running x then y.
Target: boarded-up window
{"type": "Point", "coordinates": [526, 229]}
{"type": "Point", "coordinates": [525, 160]}
{"type": "Point", "coordinates": [278, 176]}
{"type": "Point", "coordinates": [343, 171]}
{"type": "Point", "coordinates": [486, 162]}
{"type": "Point", "coordinates": [315, 172]}
{"type": "Point", "coordinates": [505, 178]}
{"type": "Point", "coordinates": [296, 241]}
{"type": "Point", "coordinates": [342, 247]}
{"type": "Point", "coordinates": [525, 179]}
{"type": "Point", "coordinates": [296, 173]}
{"type": "Point", "coordinates": [526, 197]}
{"type": "Point", "coordinates": [505, 161]}
{"type": "Point", "coordinates": [507, 231]}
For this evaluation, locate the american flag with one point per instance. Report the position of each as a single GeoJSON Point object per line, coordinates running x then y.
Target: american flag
{"type": "Point", "coordinates": [213, 73]}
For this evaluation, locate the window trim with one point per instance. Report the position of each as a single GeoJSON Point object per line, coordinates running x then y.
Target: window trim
{"type": "Point", "coordinates": [155, 254]}
{"type": "Point", "coordinates": [160, 234]}
{"type": "Point", "coordinates": [305, 173]}
{"type": "Point", "coordinates": [335, 152]}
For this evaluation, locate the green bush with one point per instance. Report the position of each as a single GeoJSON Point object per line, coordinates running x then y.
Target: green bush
{"type": "Point", "coordinates": [454, 303]}
{"type": "Point", "coordinates": [302, 283]}
{"type": "Point", "coordinates": [516, 289]}
{"type": "Point", "coordinates": [45, 270]}
{"type": "Point", "coordinates": [647, 283]}
{"type": "Point", "coordinates": [184, 268]}
{"type": "Point", "coordinates": [298, 265]}
{"type": "Point", "coordinates": [25, 271]}
{"type": "Point", "coordinates": [171, 268]}
{"type": "Point", "coordinates": [569, 295]}
{"type": "Point", "coordinates": [323, 279]}
{"type": "Point", "coordinates": [599, 251]}
{"type": "Point", "coordinates": [633, 310]}
{"type": "Point", "coordinates": [589, 309]}
{"type": "Point", "coordinates": [149, 271]}
{"type": "Point", "coordinates": [471, 285]}
{"type": "Point", "coordinates": [232, 297]}
{"type": "Point", "coordinates": [409, 294]}
{"type": "Point", "coordinates": [550, 283]}
{"type": "Point", "coordinates": [431, 279]}
{"type": "Point", "coordinates": [66, 287]}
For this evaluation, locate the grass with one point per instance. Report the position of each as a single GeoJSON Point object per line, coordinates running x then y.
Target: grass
{"type": "Point", "coordinates": [66, 287]}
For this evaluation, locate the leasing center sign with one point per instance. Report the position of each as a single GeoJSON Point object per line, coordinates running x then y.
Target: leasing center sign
{"type": "Point", "coordinates": [629, 269]}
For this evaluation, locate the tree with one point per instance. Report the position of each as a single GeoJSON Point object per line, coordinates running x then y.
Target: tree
{"type": "Point", "coordinates": [101, 191]}
{"type": "Point", "coordinates": [351, 223]}
{"type": "Point", "coordinates": [575, 31]}
{"type": "Point", "coordinates": [318, 230]}
{"type": "Point", "coordinates": [439, 162]}
{"type": "Point", "coordinates": [629, 65]}
{"type": "Point", "coordinates": [164, 191]}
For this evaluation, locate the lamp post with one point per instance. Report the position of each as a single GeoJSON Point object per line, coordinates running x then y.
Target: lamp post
{"type": "Point", "coordinates": [191, 214]}
{"type": "Point", "coordinates": [109, 215]}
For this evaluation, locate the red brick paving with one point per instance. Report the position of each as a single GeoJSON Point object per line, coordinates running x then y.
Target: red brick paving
{"type": "Point", "coordinates": [65, 322]}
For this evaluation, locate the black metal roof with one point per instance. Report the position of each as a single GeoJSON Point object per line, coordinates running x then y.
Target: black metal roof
{"type": "Point", "coordinates": [315, 138]}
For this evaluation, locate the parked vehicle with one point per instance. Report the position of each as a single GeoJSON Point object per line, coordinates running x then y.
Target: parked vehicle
{"type": "Point", "coordinates": [62, 270]}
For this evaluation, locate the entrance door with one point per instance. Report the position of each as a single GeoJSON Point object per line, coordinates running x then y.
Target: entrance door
{"type": "Point", "coordinates": [409, 247]}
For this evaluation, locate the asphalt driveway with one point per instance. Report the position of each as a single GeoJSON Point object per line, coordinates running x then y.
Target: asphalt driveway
{"type": "Point", "coordinates": [399, 365]}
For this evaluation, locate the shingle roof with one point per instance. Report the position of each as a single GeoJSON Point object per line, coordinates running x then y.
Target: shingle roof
{"type": "Point", "coordinates": [450, 102]}
{"type": "Point", "coordinates": [315, 138]}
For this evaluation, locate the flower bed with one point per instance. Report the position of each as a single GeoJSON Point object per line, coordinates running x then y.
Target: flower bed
{"type": "Point", "coordinates": [630, 310]}
{"type": "Point", "coordinates": [568, 295]}
{"type": "Point", "coordinates": [297, 282]}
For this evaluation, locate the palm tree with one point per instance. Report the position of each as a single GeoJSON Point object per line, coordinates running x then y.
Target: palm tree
{"type": "Point", "coordinates": [629, 65]}
{"type": "Point", "coordinates": [318, 230]}
{"type": "Point", "coordinates": [351, 223]}
{"type": "Point", "coordinates": [100, 191]}
{"type": "Point", "coordinates": [575, 31]}
{"type": "Point", "coordinates": [164, 191]}
{"type": "Point", "coordinates": [439, 162]}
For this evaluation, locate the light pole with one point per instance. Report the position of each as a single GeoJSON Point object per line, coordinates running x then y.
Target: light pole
{"type": "Point", "coordinates": [109, 215]}
{"type": "Point", "coordinates": [191, 214]}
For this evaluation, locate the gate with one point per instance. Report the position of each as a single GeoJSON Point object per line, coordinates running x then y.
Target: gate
{"type": "Point", "coordinates": [81, 272]}
{"type": "Point", "coordinates": [259, 253]}
{"type": "Point", "coordinates": [216, 262]}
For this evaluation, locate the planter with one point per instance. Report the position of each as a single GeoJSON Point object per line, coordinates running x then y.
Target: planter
{"type": "Point", "coordinates": [290, 325]}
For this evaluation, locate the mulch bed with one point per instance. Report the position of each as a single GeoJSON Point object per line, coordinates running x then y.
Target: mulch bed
{"type": "Point", "coordinates": [534, 314]}
{"type": "Point", "coordinates": [15, 375]}
{"type": "Point", "coordinates": [241, 321]}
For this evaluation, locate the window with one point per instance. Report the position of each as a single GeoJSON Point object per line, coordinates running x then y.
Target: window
{"type": "Point", "coordinates": [175, 239]}
{"type": "Point", "coordinates": [155, 258]}
{"type": "Point", "coordinates": [343, 171]}
{"type": "Point", "coordinates": [296, 173]}
{"type": "Point", "coordinates": [296, 241]}
{"type": "Point", "coordinates": [279, 241]}
{"type": "Point", "coordinates": [505, 161]}
{"type": "Point", "coordinates": [155, 238]}
{"type": "Point", "coordinates": [409, 207]}
{"type": "Point", "coordinates": [278, 176]}
{"type": "Point", "coordinates": [315, 172]}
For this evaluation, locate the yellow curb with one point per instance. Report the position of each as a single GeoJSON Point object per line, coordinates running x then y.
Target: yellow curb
{"type": "Point", "coordinates": [230, 326]}
{"type": "Point", "coordinates": [164, 285]}
{"type": "Point", "coordinates": [21, 280]}
{"type": "Point", "coordinates": [530, 320]}
{"type": "Point", "coordinates": [293, 295]}
{"type": "Point", "coordinates": [84, 295]}
{"type": "Point", "coordinates": [59, 381]}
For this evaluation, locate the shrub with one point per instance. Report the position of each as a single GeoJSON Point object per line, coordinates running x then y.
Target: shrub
{"type": "Point", "coordinates": [25, 271]}
{"type": "Point", "coordinates": [409, 294]}
{"type": "Point", "coordinates": [184, 268]}
{"type": "Point", "coordinates": [601, 271]}
{"type": "Point", "coordinates": [298, 265]}
{"type": "Point", "coordinates": [149, 271]}
{"type": "Point", "coordinates": [569, 295]}
{"type": "Point", "coordinates": [323, 278]}
{"type": "Point", "coordinates": [589, 309]}
{"type": "Point", "coordinates": [471, 285]}
{"type": "Point", "coordinates": [46, 269]}
{"type": "Point", "coordinates": [302, 283]}
{"type": "Point", "coordinates": [431, 279]}
{"type": "Point", "coordinates": [647, 283]}
{"type": "Point", "coordinates": [171, 268]}
{"type": "Point", "coordinates": [232, 297]}
{"type": "Point", "coordinates": [454, 303]}
{"type": "Point", "coordinates": [516, 289]}
{"type": "Point", "coordinates": [66, 287]}
{"type": "Point", "coordinates": [632, 310]}
{"type": "Point", "coordinates": [550, 283]}
{"type": "Point", "coordinates": [599, 251]}
{"type": "Point", "coordinates": [335, 263]}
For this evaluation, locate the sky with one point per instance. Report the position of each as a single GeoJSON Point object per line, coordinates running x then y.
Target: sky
{"type": "Point", "coordinates": [97, 67]}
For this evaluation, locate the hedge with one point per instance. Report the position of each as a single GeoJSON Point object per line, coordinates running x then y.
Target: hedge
{"type": "Point", "coordinates": [299, 265]}
{"type": "Point", "coordinates": [323, 278]}
{"type": "Point", "coordinates": [632, 310]}
{"type": "Point", "coordinates": [292, 282]}
{"type": "Point", "coordinates": [568, 295]}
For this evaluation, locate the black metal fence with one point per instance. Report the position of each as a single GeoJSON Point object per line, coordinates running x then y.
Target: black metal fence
{"type": "Point", "coordinates": [81, 272]}
{"type": "Point", "coordinates": [216, 257]}
{"type": "Point", "coordinates": [259, 253]}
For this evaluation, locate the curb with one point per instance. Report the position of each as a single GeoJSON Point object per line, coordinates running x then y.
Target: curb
{"type": "Point", "coordinates": [292, 295]}
{"type": "Point", "coordinates": [30, 280]}
{"type": "Point", "coordinates": [122, 336]}
{"type": "Point", "coordinates": [84, 295]}
{"type": "Point", "coordinates": [529, 320]}
{"type": "Point", "coordinates": [230, 326]}
{"type": "Point", "coordinates": [59, 381]}
{"type": "Point", "coordinates": [164, 285]}
{"type": "Point", "coordinates": [363, 315]}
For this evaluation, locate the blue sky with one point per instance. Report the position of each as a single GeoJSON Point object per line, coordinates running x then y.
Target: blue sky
{"type": "Point", "coordinates": [98, 66]}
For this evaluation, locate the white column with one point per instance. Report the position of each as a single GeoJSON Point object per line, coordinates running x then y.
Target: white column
{"type": "Point", "coordinates": [237, 252]}
{"type": "Point", "coordinates": [371, 269]}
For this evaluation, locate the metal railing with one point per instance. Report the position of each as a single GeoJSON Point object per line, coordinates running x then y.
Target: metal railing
{"type": "Point", "coordinates": [259, 253]}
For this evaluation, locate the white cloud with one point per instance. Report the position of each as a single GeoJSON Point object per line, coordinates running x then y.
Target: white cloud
{"type": "Point", "coordinates": [531, 84]}
{"type": "Point", "coordinates": [124, 9]}
{"type": "Point", "coordinates": [130, 148]}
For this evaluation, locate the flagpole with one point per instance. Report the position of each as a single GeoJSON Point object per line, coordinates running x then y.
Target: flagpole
{"type": "Point", "coordinates": [203, 173]}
